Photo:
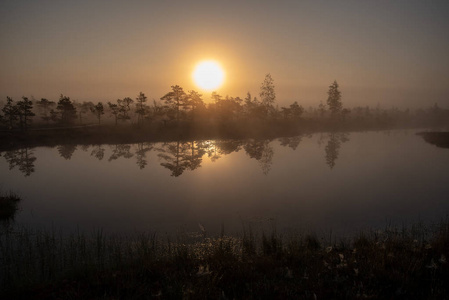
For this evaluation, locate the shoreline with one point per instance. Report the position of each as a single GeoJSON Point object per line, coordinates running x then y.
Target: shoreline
{"type": "Point", "coordinates": [110, 134]}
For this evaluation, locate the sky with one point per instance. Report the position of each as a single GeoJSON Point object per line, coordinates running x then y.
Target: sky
{"type": "Point", "coordinates": [388, 53]}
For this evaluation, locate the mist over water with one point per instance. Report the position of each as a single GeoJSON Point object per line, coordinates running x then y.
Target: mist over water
{"type": "Point", "coordinates": [344, 182]}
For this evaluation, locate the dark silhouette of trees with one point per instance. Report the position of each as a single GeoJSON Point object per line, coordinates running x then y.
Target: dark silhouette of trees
{"type": "Point", "coordinates": [25, 112]}
{"type": "Point", "coordinates": [267, 97]}
{"type": "Point", "coordinates": [253, 109]}
{"type": "Point", "coordinates": [248, 103]}
{"type": "Point", "coordinates": [334, 99]}
{"type": "Point", "coordinates": [45, 106]}
{"type": "Point", "coordinates": [141, 107]}
{"type": "Point", "coordinates": [227, 109]}
{"type": "Point", "coordinates": [10, 113]}
{"type": "Point", "coordinates": [176, 100]}
{"type": "Point", "coordinates": [198, 108]}
{"type": "Point", "coordinates": [98, 110]}
{"type": "Point", "coordinates": [159, 112]}
{"type": "Point", "coordinates": [225, 116]}
{"type": "Point", "coordinates": [216, 97]}
{"type": "Point", "coordinates": [124, 108]}
{"type": "Point", "coordinates": [293, 112]}
{"type": "Point", "coordinates": [66, 109]}
{"type": "Point", "coordinates": [83, 108]}
{"type": "Point", "coordinates": [321, 109]}
{"type": "Point", "coordinates": [267, 93]}
{"type": "Point", "coordinates": [22, 111]}
{"type": "Point", "coordinates": [115, 110]}
{"type": "Point", "coordinates": [344, 113]}
{"type": "Point", "coordinates": [296, 110]}
{"type": "Point", "coordinates": [195, 100]}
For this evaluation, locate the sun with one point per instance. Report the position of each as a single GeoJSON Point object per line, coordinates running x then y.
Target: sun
{"type": "Point", "coordinates": [208, 75]}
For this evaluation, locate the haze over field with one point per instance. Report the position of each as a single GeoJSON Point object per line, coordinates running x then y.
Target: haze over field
{"type": "Point", "coordinates": [392, 53]}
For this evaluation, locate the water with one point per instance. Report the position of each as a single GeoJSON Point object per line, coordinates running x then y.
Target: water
{"type": "Point", "coordinates": [321, 182]}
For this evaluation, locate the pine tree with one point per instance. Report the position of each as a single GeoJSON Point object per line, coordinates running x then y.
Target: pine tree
{"type": "Point", "coordinates": [67, 111]}
{"type": "Point", "coordinates": [10, 112]}
{"type": "Point", "coordinates": [124, 107]}
{"type": "Point", "coordinates": [98, 110]}
{"type": "Point", "coordinates": [45, 105]}
{"type": "Point", "coordinates": [176, 99]}
{"type": "Point", "coordinates": [334, 99]}
{"type": "Point", "coordinates": [267, 93]}
{"type": "Point", "coordinates": [25, 112]}
{"type": "Point", "coordinates": [141, 107]}
{"type": "Point", "coordinates": [115, 110]}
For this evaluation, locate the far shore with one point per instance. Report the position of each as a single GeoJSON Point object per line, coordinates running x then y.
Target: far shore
{"type": "Point", "coordinates": [117, 134]}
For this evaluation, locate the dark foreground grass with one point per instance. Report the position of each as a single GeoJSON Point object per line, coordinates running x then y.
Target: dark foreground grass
{"type": "Point", "coordinates": [8, 205]}
{"type": "Point", "coordinates": [392, 264]}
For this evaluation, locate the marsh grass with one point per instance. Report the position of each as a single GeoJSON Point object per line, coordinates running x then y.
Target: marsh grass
{"type": "Point", "coordinates": [9, 205]}
{"type": "Point", "coordinates": [406, 263]}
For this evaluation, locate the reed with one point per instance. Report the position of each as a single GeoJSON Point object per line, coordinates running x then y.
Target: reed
{"type": "Point", "coordinates": [408, 263]}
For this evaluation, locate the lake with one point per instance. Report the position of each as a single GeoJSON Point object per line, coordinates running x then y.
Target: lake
{"type": "Point", "coordinates": [339, 182]}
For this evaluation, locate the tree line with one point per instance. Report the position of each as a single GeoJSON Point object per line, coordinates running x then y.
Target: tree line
{"type": "Point", "coordinates": [179, 107]}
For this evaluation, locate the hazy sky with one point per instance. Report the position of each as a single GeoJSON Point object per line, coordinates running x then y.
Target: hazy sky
{"type": "Point", "coordinates": [395, 53]}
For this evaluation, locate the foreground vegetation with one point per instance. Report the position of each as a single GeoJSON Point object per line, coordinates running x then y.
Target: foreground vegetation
{"type": "Point", "coordinates": [402, 264]}
{"type": "Point", "coordinates": [8, 206]}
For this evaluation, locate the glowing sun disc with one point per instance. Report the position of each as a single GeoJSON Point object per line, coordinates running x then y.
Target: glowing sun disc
{"type": "Point", "coordinates": [208, 75]}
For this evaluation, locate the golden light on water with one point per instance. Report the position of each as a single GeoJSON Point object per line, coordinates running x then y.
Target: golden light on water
{"type": "Point", "coordinates": [208, 75]}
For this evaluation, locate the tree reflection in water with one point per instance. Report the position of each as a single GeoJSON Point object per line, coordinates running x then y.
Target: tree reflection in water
{"type": "Point", "coordinates": [333, 147]}
{"type": "Point", "coordinates": [141, 153]}
{"type": "Point", "coordinates": [23, 159]}
{"type": "Point", "coordinates": [261, 151]}
{"type": "Point", "coordinates": [66, 151]}
{"type": "Point", "coordinates": [120, 150]}
{"type": "Point", "coordinates": [212, 150]}
{"type": "Point", "coordinates": [180, 156]}
{"type": "Point", "coordinates": [97, 152]}
{"type": "Point", "coordinates": [291, 142]}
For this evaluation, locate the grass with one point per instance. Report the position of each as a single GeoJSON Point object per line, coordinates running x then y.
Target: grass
{"type": "Point", "coordinates": [402, 264]}
{"type": "Point", "coordinates": [439, 139]}
{"type": "Point", "coordinates": [8, 206]}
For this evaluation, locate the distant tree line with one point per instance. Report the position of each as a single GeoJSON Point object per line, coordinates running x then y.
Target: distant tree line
{"type": "Point", "coordinates": [178, 107]}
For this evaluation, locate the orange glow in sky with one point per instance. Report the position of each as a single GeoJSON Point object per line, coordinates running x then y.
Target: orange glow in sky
{"type": "Point", "coordinates": [392, 53]}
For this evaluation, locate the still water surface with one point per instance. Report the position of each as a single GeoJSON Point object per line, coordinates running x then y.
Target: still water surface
{"type": "Point", "coordinates": [321, 182]}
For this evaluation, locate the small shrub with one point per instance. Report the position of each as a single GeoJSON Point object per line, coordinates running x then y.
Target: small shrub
{"type": "Point", "coordinates": [9, 204]}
